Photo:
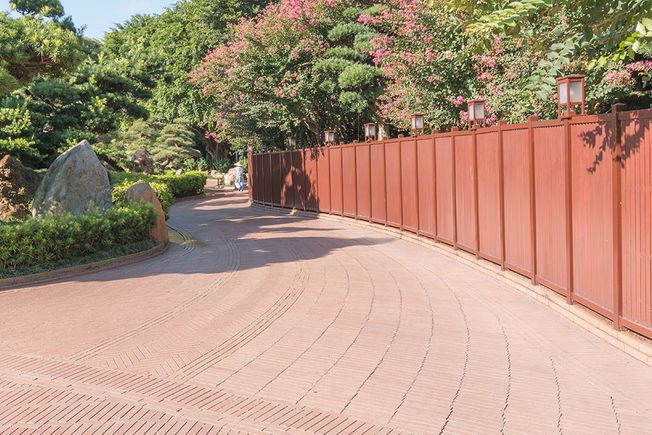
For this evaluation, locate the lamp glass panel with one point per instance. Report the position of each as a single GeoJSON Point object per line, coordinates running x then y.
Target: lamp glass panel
{"type": "Point", "coordinates": [563, 93]}
{"type": "Point", "coordinates": [479, 111]}
{"type": "Point", "coordinates": [471, 112]}
{"type": "Point", "coordinates": [417, 122]}
{"type": "Point", "coordinates": [576, 91]}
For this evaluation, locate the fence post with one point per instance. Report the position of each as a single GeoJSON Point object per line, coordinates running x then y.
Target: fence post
{"type": "Point", "coordinates": [342, 179]}
{"type": "Point", "coordinates": [330, 182]}
{"type": "Point", "coordinates": [568, 190]}
{"type": "Point", "coordinates": [317, 152]}
{"type": "Point", "coordinates": [616, 184]}
{"type": "Point", "coordinates": [250, 178]}
{"type": "Point", "coordinates": [533, 216]}
{"type": "Point", "coordinates": [385, 178]}
{"type": "Point", "coordinates": [434, 189]}
{"type": "Point", "coordinates": [501, 193]}
{"type": "Point", "coordinates": [371, 201]}
{"type": "Point", "coordinates": [416, 184]}
{"type": "Point", "coordinates": [355, 178]}
{"type": "Point", "coordinates": [476, 200]}
{"type": "Point", "coordinates": [454, 130]}
{"type": "Point", "coordinates": [400, 179]}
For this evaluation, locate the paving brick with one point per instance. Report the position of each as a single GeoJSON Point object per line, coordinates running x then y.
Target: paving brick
{"type": "Point", "coordinates": [262, 322]}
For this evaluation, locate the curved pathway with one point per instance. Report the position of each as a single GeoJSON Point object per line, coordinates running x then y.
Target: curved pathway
{"type": "Point", "coordinates": [258, 322]}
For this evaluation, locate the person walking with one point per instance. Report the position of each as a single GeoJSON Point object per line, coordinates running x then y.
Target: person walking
{"type": "Point", "coordinates": [239, 177]}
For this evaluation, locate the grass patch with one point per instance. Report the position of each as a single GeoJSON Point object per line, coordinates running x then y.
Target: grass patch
{"type": "Point", "coordinates": [115, 252]}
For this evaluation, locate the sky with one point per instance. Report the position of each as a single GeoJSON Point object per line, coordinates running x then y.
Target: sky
{"type": "Point", "coordinates": [100, 15]}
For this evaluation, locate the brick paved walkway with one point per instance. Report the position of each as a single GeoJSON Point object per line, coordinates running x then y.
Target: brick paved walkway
{"type": "Point", "coordinates": [267, 323]}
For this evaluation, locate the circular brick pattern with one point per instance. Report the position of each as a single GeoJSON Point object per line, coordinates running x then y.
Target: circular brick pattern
{"type": "Point", "coordinates": [260, 322]}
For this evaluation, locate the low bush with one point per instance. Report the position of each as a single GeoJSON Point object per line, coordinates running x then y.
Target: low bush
{"type": "Point", "coordinates": [60, 237]}
{"type": "Point", "coordinates": [186, 184]}
{"type": "Point", "coordinates": [161, 189]}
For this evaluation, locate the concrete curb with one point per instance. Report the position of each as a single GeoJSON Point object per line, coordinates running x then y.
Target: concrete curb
{"type": "Point", "coordinates": [80, 269]}
{"type": "Point", "coordinates": [628, 341]}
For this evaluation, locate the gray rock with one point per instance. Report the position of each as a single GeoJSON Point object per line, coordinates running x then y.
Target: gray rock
{"type": "Point", "coordinates": [143, 192]}
{"type": "Point", "coordinates": [75, 182]}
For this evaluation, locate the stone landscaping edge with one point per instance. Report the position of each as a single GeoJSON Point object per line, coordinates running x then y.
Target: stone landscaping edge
{"type": "Point", "coordinates": [628, 341]}
{"type": "Point", "coordinates": [80, 269]}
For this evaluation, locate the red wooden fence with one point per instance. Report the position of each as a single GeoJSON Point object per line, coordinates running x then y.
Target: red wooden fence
{"type": "Point", "coordinates": [567, 203]}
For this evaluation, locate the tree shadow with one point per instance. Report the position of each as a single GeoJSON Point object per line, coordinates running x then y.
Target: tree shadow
{"type": "Point", "coordinates": [603, 139]}
{"type": "Point", "coordinates": [218, 235]}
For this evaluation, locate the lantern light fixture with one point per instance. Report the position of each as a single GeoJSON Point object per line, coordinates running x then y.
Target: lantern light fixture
{"type": "Point", "coordinates": [329, 137]}
{"type": "Point", "coordinates": [570, 94]}
{"type": "Point", "coordinates": [292, 142]}
{"type": "Point", "coordinates": [417, 124]}
{"type": "Point", "coordinates": [370, 132]}
{"type": "Point", "coordinates": [477, 113]}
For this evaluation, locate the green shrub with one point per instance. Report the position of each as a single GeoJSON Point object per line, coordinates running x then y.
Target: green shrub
{"type": "Point", "coordinates": [186, 184]}
{"type": "Point", "coordinates": [60, 237]}
{"type": "Point", "coordinates": [161, 189]}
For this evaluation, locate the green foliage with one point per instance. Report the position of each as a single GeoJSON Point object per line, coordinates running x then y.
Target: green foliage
{"type": "Point", "coordinates": [223, 164]}
{"type": "Point", "coordinates": [186, 184]}
{"type": "Point", "coordinates": [162, 191]}
{"type": "Point", "coordinates": [15, 125]}
{"type": "Point", "coordinates": [31, 46]}
{"type": "Point", "coordinates": [46, 8]}
{"type": "Point", "coordinates": [59, 237]}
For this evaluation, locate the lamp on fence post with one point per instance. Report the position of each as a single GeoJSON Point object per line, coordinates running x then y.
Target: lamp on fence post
{"type": "Point", "coordinates": [477, 113]}
{"type": "Point", "coordinates": [292, 142]}
{"type": "Point", "coordinates": [570, 92]}
{"type": "Point", "coordinates": [329, 137]}
{"type": "Point", "coordinates": [417, 124]}
{"type": "Point", "coordinates": [370, 132]}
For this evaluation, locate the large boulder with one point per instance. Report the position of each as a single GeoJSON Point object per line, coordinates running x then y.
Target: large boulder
{"type": "Point", "coordinates": [143, 159]}
{"type": "Point", "coordinates": [18, 185]}
{"type": "Point", "coordinates": [143, 192]}
{"type": "Point", "coordinates": [229, 177]}
{"type": "Point", "coordinates": [74, 183]}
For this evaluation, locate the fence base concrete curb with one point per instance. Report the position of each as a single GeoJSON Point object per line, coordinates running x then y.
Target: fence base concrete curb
{"type": "Point", "coordinates": [629, 342]}
{"type": "Point", "coordinates": [80, 269]}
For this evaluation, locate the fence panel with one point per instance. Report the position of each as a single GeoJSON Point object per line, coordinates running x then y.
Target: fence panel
{"type": "Point", "coordinates": [310, 168]}
{"type": "Point", "coordinates": [349, 180]}
{"type": "Point", "coordinates": [267, 174]}
{"type": "Point", "coordinates": [324, 180]}
{"type": "Point", "coordinates": [592, 210]}
{"type": "Point", "coordinates": [636, 191]}
{"type": "Point", "coordinates": [298, 180]}
{"type": "Point", "coordinates": [465, 192]}
{"type": "Point", "coordinates": [393, 183]}
{"type": "Point", "coordinates": [550, 200]}
{"type": "Point", "coordinates": [409, 187]}
{"type": "Point", "coordinates": [363, 181]}
{"type": "Point", "coordinates": [444, 176]}
{"type": "Point", "coordinates": [518, 218]}
{"type": "Point", "coordinates": [336, 181]}
{"type": "Point", "coordinates": [489, 200]}
{"type": "Point", "coordinates": [426, 182]}
{"type": "Point", "coordinates": [287, 197]}
{"type": "Point", "coordinates": [277, 181]}
{"type": "Point", "coordinates": [255, 176]}
{"type": "Point", "coordinates": [378, 183]}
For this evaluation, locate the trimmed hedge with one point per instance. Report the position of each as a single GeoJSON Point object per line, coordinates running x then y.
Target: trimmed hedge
{"type": "Point", "coordinates": [186, 184]}
{"type": "Point", "coordinates": [59, 237]}
{"type": "Point", "coordinates": [161, 189]}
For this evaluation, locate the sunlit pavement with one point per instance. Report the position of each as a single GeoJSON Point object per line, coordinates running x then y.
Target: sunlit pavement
{"type": "Point", "coordinates": [258, 322]}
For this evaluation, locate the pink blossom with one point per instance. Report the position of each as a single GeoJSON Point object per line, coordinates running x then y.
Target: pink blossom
{"type": "Point", "coordinates": [620, 78]}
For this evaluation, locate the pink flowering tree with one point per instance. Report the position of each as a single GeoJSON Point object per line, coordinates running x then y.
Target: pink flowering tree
{"type": "Point", "coordinates": [298, 68]}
